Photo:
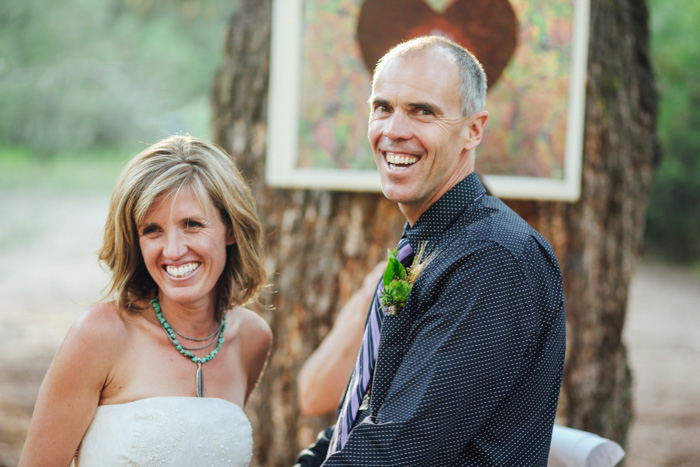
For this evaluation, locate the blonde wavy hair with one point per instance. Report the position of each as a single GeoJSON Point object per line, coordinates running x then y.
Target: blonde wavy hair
{"type": "Point", "coordinates": [165, 167]}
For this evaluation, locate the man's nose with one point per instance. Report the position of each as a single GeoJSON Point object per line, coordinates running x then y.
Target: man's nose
{"type": "Point", "coordinates": [175, 246]}
{"type": "Point", "coordinates": [398, 126]}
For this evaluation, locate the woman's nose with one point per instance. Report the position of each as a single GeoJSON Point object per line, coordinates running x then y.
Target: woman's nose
{"type": "Point", "coordinates": [175, 246]}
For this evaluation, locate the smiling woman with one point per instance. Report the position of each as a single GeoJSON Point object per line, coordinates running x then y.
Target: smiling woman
{"type": "Point", "coordinates": [183, 243]}
{"type": "Point", "coordinates": [155, 176]}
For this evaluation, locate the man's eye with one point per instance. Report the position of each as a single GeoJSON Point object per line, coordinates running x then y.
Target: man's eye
{"type": "Point", "coordinates": [381, 109]}
{"type": "Point", "coordinates": [425, 112]}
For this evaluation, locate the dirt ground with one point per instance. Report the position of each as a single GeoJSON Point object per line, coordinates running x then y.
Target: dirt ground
{"type": "Point", "coordinates": [49, 275]}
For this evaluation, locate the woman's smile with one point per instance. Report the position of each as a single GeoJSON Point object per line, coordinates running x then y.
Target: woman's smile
{"type": "Point", "coordinates": [183, 270]}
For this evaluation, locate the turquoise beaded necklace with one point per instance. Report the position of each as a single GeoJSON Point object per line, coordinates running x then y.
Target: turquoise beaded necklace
{"type": "Point", "coordinates": [199, 380]}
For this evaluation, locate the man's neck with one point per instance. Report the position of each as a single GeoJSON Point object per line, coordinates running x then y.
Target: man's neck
{"type": "Point", "coordinates": [413, 212]}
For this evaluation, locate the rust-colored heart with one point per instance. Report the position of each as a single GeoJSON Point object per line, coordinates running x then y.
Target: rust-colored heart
{"type": "Point", "coordinates": [487, 28]}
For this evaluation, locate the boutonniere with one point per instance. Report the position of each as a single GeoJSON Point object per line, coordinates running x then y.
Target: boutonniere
{"type": "Point", "coordinates": [398, 280]}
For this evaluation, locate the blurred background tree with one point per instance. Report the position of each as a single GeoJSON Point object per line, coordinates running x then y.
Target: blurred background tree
{"type": "Point", "coordinates": [80, 75]}
{"type": "Point", "coordinates": [673, 217]}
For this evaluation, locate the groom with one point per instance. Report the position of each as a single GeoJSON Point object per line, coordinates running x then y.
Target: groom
{"type": "Point", "coordinates": [468, 372]}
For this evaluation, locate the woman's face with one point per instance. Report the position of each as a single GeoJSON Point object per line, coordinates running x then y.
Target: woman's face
{"type": "Point", "coordinates": [184, 248]}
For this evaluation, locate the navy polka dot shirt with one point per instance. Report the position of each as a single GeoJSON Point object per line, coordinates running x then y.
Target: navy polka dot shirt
{"type": "Point", "coordinates": [468, 373]}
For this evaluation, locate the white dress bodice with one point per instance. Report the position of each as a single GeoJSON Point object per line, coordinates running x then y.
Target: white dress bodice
{"type": "Point", "coordinates": [168, 431]}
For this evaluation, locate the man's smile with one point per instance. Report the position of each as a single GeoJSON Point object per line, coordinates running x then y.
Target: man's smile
{"type": "Point", "coordinates": [398, 161]}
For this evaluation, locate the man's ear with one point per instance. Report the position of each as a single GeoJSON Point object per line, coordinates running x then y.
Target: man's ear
{"type": "Point", "coordinates": [475, 128]}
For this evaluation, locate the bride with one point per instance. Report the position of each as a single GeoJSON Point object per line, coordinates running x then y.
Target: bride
{"type": "Point", "coordinates": [160, 374]}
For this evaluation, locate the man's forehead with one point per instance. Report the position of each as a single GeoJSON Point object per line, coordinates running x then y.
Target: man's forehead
{"type": "Point", "coordinates": [418, 74]}
{"type": "Point", "coordinates": [420, 62]}
{"type": "Point", "coordinates": [431, 56]}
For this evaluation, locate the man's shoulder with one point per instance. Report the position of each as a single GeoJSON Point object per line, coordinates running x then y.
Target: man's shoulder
{"type": "Point", "coordinates": [493, 222]}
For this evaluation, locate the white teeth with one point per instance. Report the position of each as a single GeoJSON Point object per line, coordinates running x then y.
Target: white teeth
{"type": "Point", "coordinates": [394, 159]}
{"type": "Point", "coordinates": [181, 271]}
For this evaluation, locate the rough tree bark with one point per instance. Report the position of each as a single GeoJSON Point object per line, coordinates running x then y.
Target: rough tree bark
{"type": "Point", "coordinates": [599, 239]}
{"type": "Point", "coordinates": [320, 243]}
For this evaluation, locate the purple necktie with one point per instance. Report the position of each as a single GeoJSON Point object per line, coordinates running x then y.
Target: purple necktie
{"type": "Point", "coordinates": [359, 381]}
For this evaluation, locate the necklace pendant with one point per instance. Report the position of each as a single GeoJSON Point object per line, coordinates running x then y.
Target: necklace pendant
{"type": "Point", "coordinates": [185, 351]}
{"type": "Point", "coordinates": [200, 381]}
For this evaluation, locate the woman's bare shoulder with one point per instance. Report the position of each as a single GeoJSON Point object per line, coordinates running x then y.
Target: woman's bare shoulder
{"type": "Point", "coordinates": [253, 335]}
{"type": "Point", "coordinates": [103, 315]}
{"type": "Point", "coordinates": [254, 327]}
{"type": "Point", "coordinates": [255, 341]}
{"type": "Point", "coordinates": [103, 323]}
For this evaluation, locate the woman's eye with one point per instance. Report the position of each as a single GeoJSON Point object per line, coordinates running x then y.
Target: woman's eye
{"type": "Point", "coordinates": [190, 224]}
{"type": "Point", "coordinates": [149, 230]}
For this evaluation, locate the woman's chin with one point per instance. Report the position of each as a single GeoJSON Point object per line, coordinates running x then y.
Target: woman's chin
{"type": "Point", "coordinates": [185, 297]}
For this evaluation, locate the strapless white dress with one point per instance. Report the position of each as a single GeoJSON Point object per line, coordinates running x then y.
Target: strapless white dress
{"type": "Point", "coordinates": [168, 431]}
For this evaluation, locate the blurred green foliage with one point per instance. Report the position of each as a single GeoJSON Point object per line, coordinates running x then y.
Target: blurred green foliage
{"type": "Point", "coordinates": [80, 74]}
{"type": "Point", "coordinates": [90, 171]}
{"type": "Point", "coordinates": [673, 216]}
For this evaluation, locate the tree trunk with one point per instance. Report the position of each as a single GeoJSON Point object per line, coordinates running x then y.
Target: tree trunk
{"type": "Point", "coordinates": [599, 239]}
{"type": "Point", "coordinates": [319, 244]}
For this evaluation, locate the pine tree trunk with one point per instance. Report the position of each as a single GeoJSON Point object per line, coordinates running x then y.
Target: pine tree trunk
{"type": "Point", "coordinates": [599, 239]}
{"type": "Point", "coordinates": [319, 244]}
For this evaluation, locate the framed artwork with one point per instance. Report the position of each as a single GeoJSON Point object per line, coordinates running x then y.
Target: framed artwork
{"type": "Point", "coordinates": [534, 53]}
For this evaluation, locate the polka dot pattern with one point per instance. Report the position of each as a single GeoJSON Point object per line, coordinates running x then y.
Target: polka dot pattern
{"type": "Point", "coordinates": [469, 372]}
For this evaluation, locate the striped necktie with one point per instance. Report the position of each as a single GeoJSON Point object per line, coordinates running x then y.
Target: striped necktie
{"type": "Point", "coordinates": [361, 377]}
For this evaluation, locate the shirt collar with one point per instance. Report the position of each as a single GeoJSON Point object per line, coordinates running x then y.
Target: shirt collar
{"type": "Point", "coordinates": [445, 211]}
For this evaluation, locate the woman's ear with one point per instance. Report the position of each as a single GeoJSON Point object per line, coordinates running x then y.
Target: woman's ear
{"type": "Point", "coordinates": [230, 238]}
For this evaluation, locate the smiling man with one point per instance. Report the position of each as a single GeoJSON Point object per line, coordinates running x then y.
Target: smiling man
{"type": "Point", "coordinates": [422, 136]}
{"type": "Point", "coordinates": [469, 371]}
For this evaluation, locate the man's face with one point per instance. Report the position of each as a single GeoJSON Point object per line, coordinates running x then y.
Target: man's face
{"type": "Point", "coordinates": [422, 144]}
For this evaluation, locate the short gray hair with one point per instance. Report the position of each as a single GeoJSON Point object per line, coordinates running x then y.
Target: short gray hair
{"type": "Point", "coordinates": [472, 89]}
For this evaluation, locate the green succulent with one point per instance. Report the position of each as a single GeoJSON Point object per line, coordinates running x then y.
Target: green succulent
{"type": "Point", "coordinates": [398, 280]}
{"type": "Point", "coordinates": [394, 269]}
{"type": "Point", "coordinates": [395, 295]}
{"type": "Point", "coordinates": [396, 285]}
